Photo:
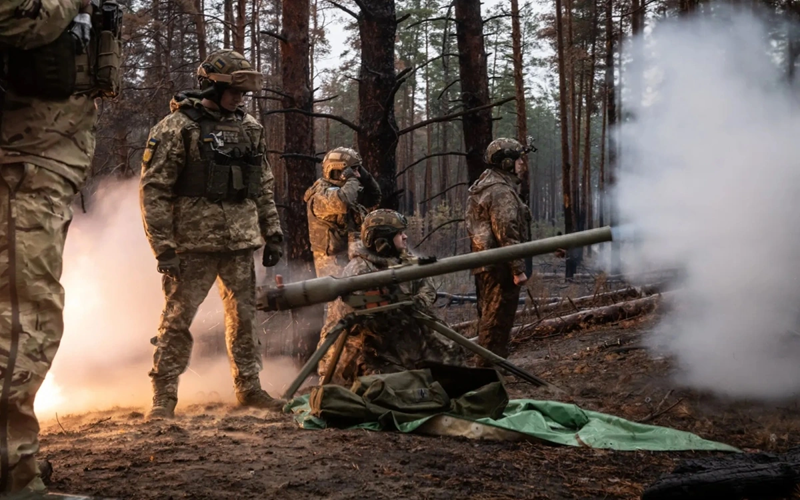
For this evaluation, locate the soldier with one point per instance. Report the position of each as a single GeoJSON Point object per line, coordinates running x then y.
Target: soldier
{"type": "Point", "coordinates": [46, 146]}
{"type": "Point", "coordinates": [496, 217]}
{"type": "Point", "coordinates": [207, 205]}
{"type": "Point", "coordinates": [390, 341]}
{"type": "Point", "coordinates": [335, 204]}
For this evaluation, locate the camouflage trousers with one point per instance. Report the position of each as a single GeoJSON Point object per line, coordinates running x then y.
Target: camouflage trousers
{"type": "Point", "coordinates": [498, 298]}
{"type": "Point", "coordinates": [237, 288]}
{"type": "Point", "coordinates": [34, 216]}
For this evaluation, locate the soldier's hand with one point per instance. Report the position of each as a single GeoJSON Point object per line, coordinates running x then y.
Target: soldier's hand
{"type": "Point", "coordinates": [363, 173]}
{"type": "Point", "coordinates": [272, 252]}
{"type": "Point", "coordinates": [169, 264]}
{"type": "Point", "coordinates": [350, 172]}
{"type": "Point", "coordinates": [520, 279]}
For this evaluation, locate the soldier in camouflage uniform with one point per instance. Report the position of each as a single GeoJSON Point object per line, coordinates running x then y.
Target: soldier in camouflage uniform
{"type": "Point", "coordinates": [497, 217]}
{"type": "Point", "coordinates": [391, 341]}
{"type": "Point", "coordinates": [46, 146]}
{"type": "Point", "coordinates": [207, 205]}
{"type": "Point", "coordinates": [336, 205]}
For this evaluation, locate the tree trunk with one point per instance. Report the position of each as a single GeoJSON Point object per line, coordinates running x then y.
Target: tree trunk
{"type": "Point", "coordinates": [519, 86]}
{"type": "Point", "coordinates": [228, 13]}
{"type": "Point", "coordinates": [601, 176]}
{"type": "Point", "coordinates": [299, 139]}
{"type": "Point", "coordinates": [474, 84]}
{"type": "Point", "coordinates": [566, 168]}
{"type": "Point", "coordinates": [377, 137]}
{"type": "Point", "coordinates": [200, 29]}
{"type": "Point", "coordinates": [238, 34]}
{"type": "Point", "coordinates": [586, 198]}
{"type": "Point", "coordinates": [611, 100]}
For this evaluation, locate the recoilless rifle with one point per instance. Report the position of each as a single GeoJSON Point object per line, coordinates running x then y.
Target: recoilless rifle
{"type": "Point", "coordinates": [383, 294]}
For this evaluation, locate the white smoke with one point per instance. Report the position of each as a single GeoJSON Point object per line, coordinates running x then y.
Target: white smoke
{"type": "Point", "coordinates": [710, 175]}
{"type": "Point", "coordinates": [113, 305]}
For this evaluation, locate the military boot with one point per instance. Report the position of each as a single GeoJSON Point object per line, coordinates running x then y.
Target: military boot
{"type": "Point", "coordinates": [164, 402]}
{"type": "Point", "coordinates": [259, 398]}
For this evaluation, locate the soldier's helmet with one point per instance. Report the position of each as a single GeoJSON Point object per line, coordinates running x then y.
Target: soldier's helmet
{"type": "Point", "coordinates": [228, 69]}
{"type": "Point", "coordinates": [338, 159]}
{"type": "Point", "coordinates": [503, 153]}
{"type": "Point", "coordinates": [380, 226]}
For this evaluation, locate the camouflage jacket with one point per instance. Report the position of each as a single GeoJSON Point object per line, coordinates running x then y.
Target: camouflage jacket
{"type": "Point", "coordinates": [335, 212]}
{"type": "Point", "coordinates": [196, 224]}
{"type": "Point", "coordinates": [390, 341]}
{"type": "Point", "coordinates": [496, 215]}
{"type": "Point", "coordinates": [56, 135]}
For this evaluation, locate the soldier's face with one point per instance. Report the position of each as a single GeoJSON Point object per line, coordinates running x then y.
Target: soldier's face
{"type": "Point", "coordinates": [400, 240]}
{"type": "Point", "coordinates": [231, 99]}
{"type": "Point", "coordinates": [519, 167]}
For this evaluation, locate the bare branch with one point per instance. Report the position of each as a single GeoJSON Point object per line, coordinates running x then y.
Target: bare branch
{"type": "Point", "coordinates": [401, 79]}
{"type": "Point", "coordinates": [451, 221]}
{"type": "Point", "coordinates": [445, 118]}
{"type": "Point", "coordinates": [445, 191]}
{"type": "Point", "coordinates": [448, 86]}
{"type": "Point", "coordinates": [633, 11]}
{"type": "Point", "coordinates": [274, 35]}
{"type": "Point", "coordinates": [326, 99]}
{"type": "Point", "coordinates": [275, 91]}
{"type": "Point", "coordinates": [434, 155]}
{"type": "Point", "coordinates": [402, 18]}
{"type": "Point", "coordinates": [430, 19]}
{"type": "Point", "coordinates": [301, 157]}
{"type": "Point", "coordinates": [498, 16]}
{"type": "Point", "coordinates": [329, 116]}
{"type": "Point", "coordinates": [343, 8]}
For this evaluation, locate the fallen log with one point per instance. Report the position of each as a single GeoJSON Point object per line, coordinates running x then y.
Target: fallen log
{"type": "Point", "coordinates": [751, 476]}
{"type": "Point", "coordinates": [584, 319]}
{"type": "Point", "coordinates": [580, 302]}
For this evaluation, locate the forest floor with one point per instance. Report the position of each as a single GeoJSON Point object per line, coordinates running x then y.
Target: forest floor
{"type": "Point", "coordinates": [216, 451]}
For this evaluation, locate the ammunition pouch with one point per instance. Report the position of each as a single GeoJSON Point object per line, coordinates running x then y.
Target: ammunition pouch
{"type": "Point", "coordinates": [98, 68]}
{"type": "Point", "coordinates": [46, 72]}
{"type": "Point", "coordinates": [59, 69]}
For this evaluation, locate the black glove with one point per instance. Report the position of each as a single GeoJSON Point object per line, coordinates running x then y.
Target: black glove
{"type": "Point", "coordinates": [364, 172]}
{"type": "Point", "coordinates": [348, 173]}
{"type": "Point", "coordinates": [169, 263]}
{"type": "Point", "coordinates": [272, 252]}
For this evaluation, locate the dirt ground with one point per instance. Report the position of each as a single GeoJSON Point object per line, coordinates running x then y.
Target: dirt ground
{"type": "Point", "coordinates": [215, 451]}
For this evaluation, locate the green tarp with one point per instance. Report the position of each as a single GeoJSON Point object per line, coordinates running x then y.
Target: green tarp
{"type": "Point", "coordinates": [555, 422]}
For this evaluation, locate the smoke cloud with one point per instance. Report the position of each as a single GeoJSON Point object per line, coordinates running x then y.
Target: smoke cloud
{"type": "Point", "coordinates": [710, 176]}
{"type": "Point", "coordinates": [113, 305]}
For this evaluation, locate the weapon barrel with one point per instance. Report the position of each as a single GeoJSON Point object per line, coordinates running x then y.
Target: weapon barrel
{"type": "Point", "coordinates": [326, 289]}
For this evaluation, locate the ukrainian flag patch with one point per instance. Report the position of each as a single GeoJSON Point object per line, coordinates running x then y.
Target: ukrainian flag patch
{"type": "Point", "coordinates": [149, 151]}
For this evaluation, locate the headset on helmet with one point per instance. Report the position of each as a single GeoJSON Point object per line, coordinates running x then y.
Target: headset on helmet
{"type": "Point", "coordinates": [337, 160]}
{"type": "Point", "coordinates": [380, 227]}
{"type": "Point", "coordinates": [504, 152]}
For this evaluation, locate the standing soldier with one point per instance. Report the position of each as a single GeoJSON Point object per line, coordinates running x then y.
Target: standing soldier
{"type": "Point", "coordinates": [46, 146]}
{"type": "Point", "coordinates": [207, 205]}
{"type": "Point", "coordinates": [497, 217]}
{"type": "Point", "coordinates": [335, 204]}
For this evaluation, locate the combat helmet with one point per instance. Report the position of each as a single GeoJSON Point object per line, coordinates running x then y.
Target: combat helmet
{"type": "Point", "coordinates": [503, 153]}
{"type": "Point", "coordinates": [227, 69]}
{"type": "Point", "coordinates": [380, 227]}
{"type": "Point", "coordinates": [336, 161]}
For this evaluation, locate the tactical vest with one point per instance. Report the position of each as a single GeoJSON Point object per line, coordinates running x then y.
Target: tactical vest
{"type": "Point", "coordinates": [228, 168]}
{"type": "Point", "coordinates": [65, 67]}
{"type": "Point", "coordinates": [326, 237]}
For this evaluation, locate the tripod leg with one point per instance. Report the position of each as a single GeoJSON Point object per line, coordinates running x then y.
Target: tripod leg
{"type": "Point", "coordinates": [314, 359]}
{"type": "Point", "coordinates": [337, 353]}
